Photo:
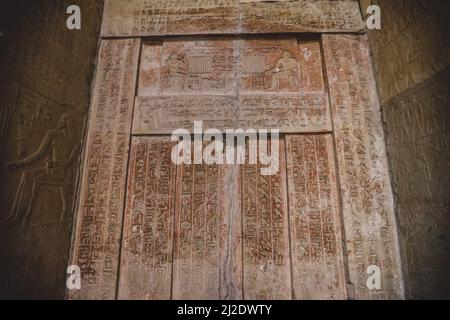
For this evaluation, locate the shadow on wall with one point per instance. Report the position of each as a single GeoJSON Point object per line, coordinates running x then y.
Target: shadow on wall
{"type": "Point", "coordinates": [411, 58]}
{"type": "Point", "coordinates": [46, 72]}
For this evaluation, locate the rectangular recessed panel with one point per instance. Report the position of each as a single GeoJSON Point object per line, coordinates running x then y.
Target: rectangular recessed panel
{"type": "Point", "coordinates": [192, 67]}
{"type": "Point", "coordinates": [99, 220]}
{"type": "Point", "coordinates": [367, 199]}
{"type": "Point", "coordinates": [190, 17]}
{"type": "Point", "coordinates": [267, 265]}
{"type": "Point", "coordinates": [231, 84]}
{"type": "Point", "coordinates": [147, 242]}
{"type": "Point", "coordinates": [285, 65]}
{"type": "Point", "coordinates": [207, 252]}
{"type": "Point", "coordinates": [315, 222]}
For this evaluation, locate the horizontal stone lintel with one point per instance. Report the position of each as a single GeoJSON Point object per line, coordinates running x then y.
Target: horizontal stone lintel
{"type": "Point", "coordinates": [125, 18]}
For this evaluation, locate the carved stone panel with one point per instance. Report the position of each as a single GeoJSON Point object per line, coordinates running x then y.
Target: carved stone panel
{"type": "Point", "coordinates": [147, 242]}
{"type": "Point", "coordinates": [44, 98]}
{"type": "Point", "coordinates": [173, 17]}
{"type": "Point", "coordinates": [163, 115]}
{"type": "Point", "coordinates": [181, 67]}
{"type": "Point", "coordinates": [266, 257]}
{"type": "Point", "coordinates": [315, 222]}
{"type": "Point", "coordinates": [97, 232]}
{"type": "Point", "coordinates": [369, 220]}
{"type": "Point", "coordinates": [418, 144]}
{"type": "Point", "coordinates": [232, 83]}
{"type": "Point", "coordinates": [207, 249]}
{"type": "Point", "coordinates": [198, 231]}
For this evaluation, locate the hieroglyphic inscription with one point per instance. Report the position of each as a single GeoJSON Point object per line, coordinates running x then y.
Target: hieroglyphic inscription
{"type": "Point", "coordinates": [265, 232]}
{"type": "Point", "coordinates": [289, 113]}
{"type": "Point", "coordinates": [280, 65]}
{"type": "Point", "coordinates": [418, 145]}
{"type": "Point", "coordinates": [173, 17]}
{"type": "Point", "coordinates": [188, 67]}
{"type": "Point", "coordinates": [315, 222]}
{"type": "Point", "coordinates": [207, 249]}
{"type": "Point", "coordinates": [99, 220]}
{"type": "Point", "coordinates": [44, 98]}
{"type": "Point", "coordinates": [147, 244]}
{"type": "Point", "coordinates": [367, 201]}
{"type": "Point", "coordinates": [163, 115]}
{"type": "Point", "coordinates": [169, 17]}
{"type": "Point", "coordinates": [185, 81]}
{"type": "Point", "coordinates": [301, 16]}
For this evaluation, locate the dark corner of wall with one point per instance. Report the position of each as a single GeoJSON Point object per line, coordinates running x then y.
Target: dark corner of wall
{"type": "Point", "coordinates": [46, 72]}
{"type": "Point", "coordinates": [411, 60]}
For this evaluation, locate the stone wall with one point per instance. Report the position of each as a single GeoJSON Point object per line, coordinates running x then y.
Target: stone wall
{"type": "Point", "coordinates": [411, 60]}
{"type": "Point", "coordinates": [45, 74]}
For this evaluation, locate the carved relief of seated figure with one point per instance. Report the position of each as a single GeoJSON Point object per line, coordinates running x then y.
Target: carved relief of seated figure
{"type": "Point", "coordinates": [285, 69]}
{"type": "Point", "coordinates": [178, 71]}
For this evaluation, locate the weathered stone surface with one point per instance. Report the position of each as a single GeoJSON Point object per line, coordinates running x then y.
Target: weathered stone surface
{"type": "Point", "coordinates": [44, 98]}
{"type": "Point", "coordinates": [183, 237]}
{"type": "Point", "coordinates": [189, 67]}
{"type": "Point", "coordinates": [417, 138]}
{"type": "Point", "coordinates": [289, 113]}
{"type": "Point", "coordinates": [147, 242]}
{"type": "Point", "coordinates": [266, 256]}
{"type": "Point", "coordinates": [163, 115]}
{"type": "Point", "coordinates": [207, 250]}
{"type": "Point", "coordinates": [369, 220]}
{"type": "Point", "coordinates": [301, 16]}
{"type": "Point", "coordinates": [412, 45]}
{"type": "Point", "coordinates": [281, 86]}
{"type": "Point", "coordinates": [97, 232]}
{"type": "Point", "coordinates": [411, 54]}
{"type": "Point", "coordinates": [158, 18]}
{"type": "Point", "coordinates": [315, 222]}
{"type": "Point", "coordinates": [182, 228]}
{"type": "Point", "coordinates": [285, 65]}
{"type": "Point", "coordinates": [226, 83]}
{"type": "Point", "coordinates": [169, 17]}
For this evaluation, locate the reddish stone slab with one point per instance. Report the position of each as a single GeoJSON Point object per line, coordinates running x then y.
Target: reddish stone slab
{"type": "Point", "coordinates": [96, 243]}
{"type": "Point", "coordinates": [229, 83]}
{"type": "Point", "coordinates": [286, 112]}
{"type": "Point", "coordinates": [315, 222]}
{"type": "Point", "coordinates": [163, 115]}
{"type": "Point", "coordinates": [267, 265]}
{"type": "Point", "coordinates": [147, 242]}
{"type": "Point", "coordinates": [369, 220]}
{"type": "Point", "coordinates": [301, 16]}
{"type": "Point", "coordinates": [207, 250]}
{"type": "Point", "coordinates": [281, 85]}
{"type": "Point", "coordinates": [285, 65]}
{"type": "Point", "coordinates": [191, 17]}
{"type": "Point", "coordinates": [194, 67]}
